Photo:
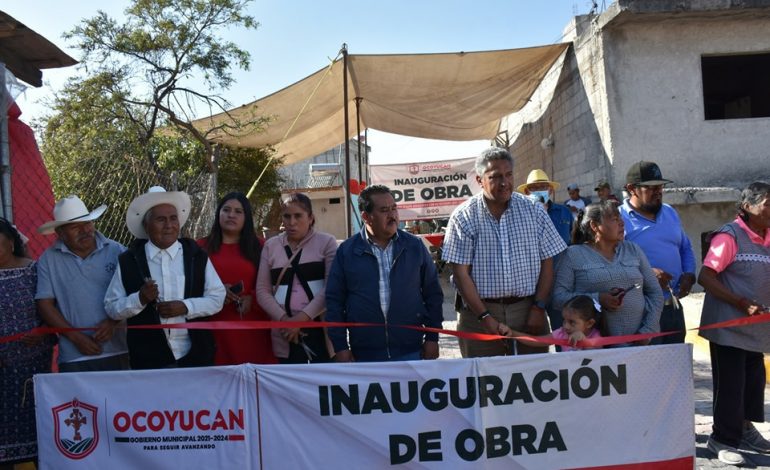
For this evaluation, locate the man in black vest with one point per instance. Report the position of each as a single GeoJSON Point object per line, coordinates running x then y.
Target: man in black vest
{"type": "Point", "coordinates": [164, 279]}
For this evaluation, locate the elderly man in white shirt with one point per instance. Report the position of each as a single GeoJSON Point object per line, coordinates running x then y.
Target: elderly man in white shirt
{"type": "Point", "coordinates": [164, 279]}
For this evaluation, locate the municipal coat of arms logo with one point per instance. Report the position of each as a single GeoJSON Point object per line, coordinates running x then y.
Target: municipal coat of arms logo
{"type": "Point", "coordinates": [414, 169]}
{"type": "Point", "coordinates": [76, 431]}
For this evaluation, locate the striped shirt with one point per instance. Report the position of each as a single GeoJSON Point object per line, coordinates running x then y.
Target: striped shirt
{"type": "Point", "coordinates": [385, 262]}
{"type": "Point", "coordinates": [504, 255]}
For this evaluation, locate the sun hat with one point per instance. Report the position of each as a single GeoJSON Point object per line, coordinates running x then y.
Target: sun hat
{"type": "Point", "coordinates": [537, 176]}
{"type": "Point", "coordinates": [70, 210]}
{"type": "Point", "coordinates": [155, 196]}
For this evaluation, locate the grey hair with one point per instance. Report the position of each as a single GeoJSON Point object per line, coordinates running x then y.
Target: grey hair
{"type": "Point", "coordinates": [753, 195]}
{"type": "Point", "coordinates": [582, 232]}
{"type": "Point", "coordinates": [491, 154]}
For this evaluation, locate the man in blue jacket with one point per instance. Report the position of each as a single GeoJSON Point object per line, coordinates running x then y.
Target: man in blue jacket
{"type": "Point", "coordinates": [386, 276]}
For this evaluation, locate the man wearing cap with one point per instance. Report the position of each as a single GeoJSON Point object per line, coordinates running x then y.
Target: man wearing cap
{"type": "Point", "coordinates": [656, 228]}
{"type": "Point", "coordinates": [72, 277]}
{"type": "Point", "coordinates": [540, 187]}
{"type": "Point", "coordinates": [501, 247]}
{"type": "Point", "coordinates": [164, 279]}
{"type": "Point", "coordinates": [604, 191]}
{"type": "Point", "coordinates": [575, 202]}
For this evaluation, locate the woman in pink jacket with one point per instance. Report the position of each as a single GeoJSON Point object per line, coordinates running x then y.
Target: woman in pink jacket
{"type": "Point", "coordinates": [291, 282]}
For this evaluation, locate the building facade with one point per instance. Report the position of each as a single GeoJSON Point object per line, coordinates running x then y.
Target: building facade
{"type": "Point", "coordinates": [684, 84]}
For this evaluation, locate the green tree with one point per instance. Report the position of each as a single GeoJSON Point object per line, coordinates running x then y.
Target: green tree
{"type": "Point", "coordinates": [153, 59]}
{"type": "Point", "coordinates": [107, 136]}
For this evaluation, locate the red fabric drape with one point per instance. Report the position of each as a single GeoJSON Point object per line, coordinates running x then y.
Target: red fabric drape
{"type": "Point", "coordinates": [31, 191]}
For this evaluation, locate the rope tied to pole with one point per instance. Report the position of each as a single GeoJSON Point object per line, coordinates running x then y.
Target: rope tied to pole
{"type": "Point", "coordinates": [294, 122]}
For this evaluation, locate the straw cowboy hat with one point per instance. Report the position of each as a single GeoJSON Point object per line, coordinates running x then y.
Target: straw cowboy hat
{"type": "Point", "coordinates": [70, 210]}
{"type": "Point", "coordinates": [155, 196]}
{"type": "Point", "coordinates": [537, 176]}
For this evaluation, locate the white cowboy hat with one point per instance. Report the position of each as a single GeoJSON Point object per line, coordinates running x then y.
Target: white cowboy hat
{"type": "Point", "coordinates": [155, 196]}
{"type": "Point", "coordinates": [70, 210]}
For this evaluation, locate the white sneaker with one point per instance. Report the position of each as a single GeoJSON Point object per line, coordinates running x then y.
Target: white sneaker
{"type": "Point", "coordinates": [752, 439]}
{"type": "Point", "coordinates": [725, 453]}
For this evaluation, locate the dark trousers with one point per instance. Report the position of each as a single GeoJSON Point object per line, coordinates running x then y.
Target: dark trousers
{"type": "Point", "coordinates": [739, 391]}
{"type": "Point", "coordinates": [671, 319]}
{"type": "Point", "coordinates": [316, 352]}
{"type": "Point", "coordinates": [116, 362]}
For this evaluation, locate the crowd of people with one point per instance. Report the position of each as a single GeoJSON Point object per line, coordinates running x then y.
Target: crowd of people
{"type": "Point", "coordinates": [524, 267]}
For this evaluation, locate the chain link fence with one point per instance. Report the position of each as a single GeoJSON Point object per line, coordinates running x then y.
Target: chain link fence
{"type": "Point", "coordinates": [116, 182]}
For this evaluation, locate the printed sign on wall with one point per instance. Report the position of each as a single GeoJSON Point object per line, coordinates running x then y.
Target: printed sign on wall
{"type": "Point", "coordinates": [429, 189]}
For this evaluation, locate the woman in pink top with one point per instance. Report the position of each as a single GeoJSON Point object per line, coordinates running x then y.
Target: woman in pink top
{"type": "Point", "coordinates": [736, 277]}
{"type": "Point", "coordinates": [291, 282]}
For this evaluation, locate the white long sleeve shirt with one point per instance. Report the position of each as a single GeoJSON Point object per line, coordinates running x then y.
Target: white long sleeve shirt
{"type": "Point", "coordinates": [167, 269]}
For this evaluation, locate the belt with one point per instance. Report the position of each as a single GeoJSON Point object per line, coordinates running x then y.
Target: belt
{"type": "Point", "coordinates": [506, 300]}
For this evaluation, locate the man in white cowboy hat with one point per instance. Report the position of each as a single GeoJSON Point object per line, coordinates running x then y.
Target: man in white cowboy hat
{"type": "Point", "coordinates": [501, 249]}
{"type": "Point", "coordinates": [164, 279]}
{"type": "Point", "coordinates": [72, 277]}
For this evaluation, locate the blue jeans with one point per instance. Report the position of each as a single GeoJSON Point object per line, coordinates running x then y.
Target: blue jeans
{"type": "Point", "coordinates": [415, 356]}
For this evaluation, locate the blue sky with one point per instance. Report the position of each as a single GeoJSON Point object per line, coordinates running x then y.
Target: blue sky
{"type": "Point", "coordinates": [296, 38]}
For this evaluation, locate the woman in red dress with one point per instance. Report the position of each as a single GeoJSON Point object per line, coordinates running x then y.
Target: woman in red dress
{"type": "Point", "coordinates": [234, 250]}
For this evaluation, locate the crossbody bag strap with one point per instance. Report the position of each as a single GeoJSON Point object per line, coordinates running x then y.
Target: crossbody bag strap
{"type": "Point", "coordinates": [283, 271]}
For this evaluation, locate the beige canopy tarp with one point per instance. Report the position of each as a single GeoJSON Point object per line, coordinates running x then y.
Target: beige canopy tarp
{"type": "Point", "coordinates": [455, 96]}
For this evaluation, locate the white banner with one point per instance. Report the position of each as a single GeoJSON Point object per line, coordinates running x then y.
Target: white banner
{"type": "Point", "coordinates": [613, 408]}
{"type": "Point", "coordinates": [429, 189]}
{"type": "Point", "coordinates": [172, 418]}
{"type": "Point", "coordinates": [595, 408]}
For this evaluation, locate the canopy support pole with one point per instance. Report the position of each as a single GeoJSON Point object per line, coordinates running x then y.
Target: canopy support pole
{"type": "Point", "coordinates": [358, 136]}
{"type": "Point", "coordinates": [366, 150]}
{"type": "Point", "coordinates": [346, 183]}
{"type": "Point", "coordinates": [5, 149]}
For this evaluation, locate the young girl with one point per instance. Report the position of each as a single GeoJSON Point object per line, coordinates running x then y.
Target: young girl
{"type": "Point", "coordinates": [580, 315]}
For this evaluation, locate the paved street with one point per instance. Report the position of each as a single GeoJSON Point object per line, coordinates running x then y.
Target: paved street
{"type": "Point", "coordinates": [701, 375]}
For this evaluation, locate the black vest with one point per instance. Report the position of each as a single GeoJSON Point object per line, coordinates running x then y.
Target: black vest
{"type": "Point", "coordinates": [149, 349]}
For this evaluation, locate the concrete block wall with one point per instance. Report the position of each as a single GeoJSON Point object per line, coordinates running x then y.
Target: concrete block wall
{"type": "Point", "coordinates": [577, 154]}
{"type": "Point", "coordinates": [698, 218]}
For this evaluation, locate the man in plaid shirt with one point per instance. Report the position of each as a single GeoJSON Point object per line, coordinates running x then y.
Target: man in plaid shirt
{"type": "Point", "coordinates": [501, 248]}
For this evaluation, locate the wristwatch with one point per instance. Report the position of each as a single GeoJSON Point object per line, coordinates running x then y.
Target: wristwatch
{"type": "Point", "coordinates": [539, 304]}
{"type": "Point", "coordinates": [484, 315]}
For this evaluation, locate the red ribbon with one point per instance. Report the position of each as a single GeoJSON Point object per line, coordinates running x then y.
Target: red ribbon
{"type": "Point", "coordinates": [267, 325]}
